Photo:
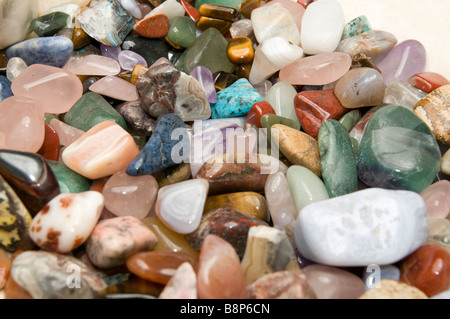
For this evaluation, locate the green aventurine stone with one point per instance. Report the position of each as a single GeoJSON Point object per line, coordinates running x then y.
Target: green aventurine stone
{"type": "Point", "coordinates": [90, 110]}
{"type": "Point", "coordinates": [209, 50]}
{"type": "Point", "coordinates": [182, 31]}
{"type": "Point", "coordinates": [68, 180]}
{"type": "Point", "coordinates": [267, 120]}
{"type": "Point", "coordinates": [49, 24]}
{"type": "Point", "coordinates": [350, 119]}
{"type": "Point", "coordinates": [337, 161]}
{"type": "Point", "coordinates": [398, 151]}
{"type": "Point", "coordinates": [226, 3]}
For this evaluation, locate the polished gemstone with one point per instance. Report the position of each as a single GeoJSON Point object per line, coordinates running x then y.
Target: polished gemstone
{"type": "Point", "coordinates": [357, 131]}
{"type": "Point", "coordinates": [402, 93]}
{"type": "Point", "coordinates": [297, 11]}
{"type": "Point", "coordinates": [155, 26]}
{"type": "Point", "coordinates": [66, 134]}
{"type": "Point", "coordinates": [204, 76]}
{"type": "Point", "coordinates": [93, 64]}
{"type": "Point", "coordinates": [116, 88]}
{"type": "Point", "coordinates": [218, 11]}
{"type": "Point", "coordinates": [281, 97]}
{"type": "Point", "coordinates": [170, 8]}
{"type": "Point", "coordinates": [173, 175]}
{"type": "Point", "coordinates": [129, 59]}
{"type": "Point", "coordinates": [49, 24]}
{"type": "Point", "coordinates": [355, 27]}
{"type": "Point", "coordinates": [132, 8]}
{"type": "Point", "coordinates": [150, 49]}
{"type": "Point", "coordinates": [350, 119]}
{"type": "Point", "coordinates": [246, 8]}
{"type": "Point", "coordinates": [16, 20]}
{"type": "Point", "coordinates": [191, 11]}
{"type": "Point", "coordinates": [182, 31]}
{"type": "Point", "coordinates": [80, 39]}
{"type": "Point", "coordinates": [5, 88]}
{"type": "Point", "coordinates": [257, 111]}
{"type": "Point", "coordinates": [14, 67]}
{"type": "Point", "coordinates": [240, 50]}
{"type": "Point", "coordinates": [135, 116]}
{"type": "Point", "coordinates": [436, 199]}
{"type": "Point", "coordinates": [69, 181]}
{"type": "Point", "coordinates": [182, 285]}
{"type": "Point", "coordinates": [428, 81]}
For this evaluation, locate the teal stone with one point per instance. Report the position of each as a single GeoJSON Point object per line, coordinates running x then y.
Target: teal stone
{"type": "Point", "coordinates": [350, 119]}
{"type": "Point", "coordinates": [337, 160]}
{"type": "Point", "coordinates": [69, 181]}
{"type": "Point", "coordinates": [398, 151]}
{"type": "Point", "coordinates": [235, 100]}
{"type": "Point", "coordinates": [355, 27]}
{"type": "Point", "coordinates": [49, 24]}
{"type": "Point", "coordinates": [267, 120]}
{"type": "Point", "coordinates": [90, 110]}
{"type": "Point", "coordinates": [182, 31]}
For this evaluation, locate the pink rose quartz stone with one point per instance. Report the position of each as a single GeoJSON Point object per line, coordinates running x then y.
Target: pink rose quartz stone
{"type": "Point", "coordinates": [116, 88]}
{"type": "Point", "coordinates": [113, 240]}
{"type": "Point", "coordinates": [183, 284]}
{"type": "Point", "coordinates": [437, 199]}
{"type": "Point", "coordinates": [93, 65]}
{"type": "Point", "coordinates": [66, 221]}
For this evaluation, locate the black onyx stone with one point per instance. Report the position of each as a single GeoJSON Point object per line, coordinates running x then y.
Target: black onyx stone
{"type": "Point", "coordinates": [150, 49]}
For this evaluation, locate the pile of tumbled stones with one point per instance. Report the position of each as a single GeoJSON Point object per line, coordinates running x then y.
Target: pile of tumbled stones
{"type": "Point", "coordinates": [218, 149]}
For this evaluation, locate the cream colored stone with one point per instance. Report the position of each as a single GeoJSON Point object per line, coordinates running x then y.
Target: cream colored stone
{"type": "Point", "coordinates": [445, 163]}
{"type": "Point", "coordinates": [392, 289]}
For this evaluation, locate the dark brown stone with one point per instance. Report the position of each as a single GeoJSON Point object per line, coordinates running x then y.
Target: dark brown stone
{"type": "Point", "coordinates": [136, 118]}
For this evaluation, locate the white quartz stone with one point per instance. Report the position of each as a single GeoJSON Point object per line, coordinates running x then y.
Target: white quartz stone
{"type": "Point", "coordinates": [14, 67]}
{"type": "Point", "coordinates": [132, 8]}
{"type": "Point", "coordinates": [371, 226]}
{"type": "Point", "coordinates": [322, 27]}
{"type": "Point", "coordinates": [171, 8]}
{"type": "Point", "coordinates": [281, 97]}
{"type": "Point", "coordinates": [180, 206]}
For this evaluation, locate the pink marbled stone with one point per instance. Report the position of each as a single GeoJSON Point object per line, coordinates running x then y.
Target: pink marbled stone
{"type": "Point", "coordinates": [115, 87]}
{"type": "Point", "coordinates": [183, 284]}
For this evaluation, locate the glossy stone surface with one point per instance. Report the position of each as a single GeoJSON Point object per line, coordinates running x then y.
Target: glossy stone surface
{"type": "Point", "coordinates": [398, 151]}
{"type": "Point", "coordinates": [436, 199]}
{"type": "Point", "coordinates": [191, 11]}
{"type": "Point", "coordinates": [150, 49]}
{"type": "Point", "coordinates": [337, 162]}
{"type": "Point", "coordinates": [80, 39]}
{"type": "Point", "coordinates": [137, 119]}
{"type": "Point", "coordinates": [107, 22]}
{"type": "Point", "coordinates": [204, 76]}
{"type": "Point", "coordinates": [438, 232]}
{"type": "Point", "coordinates": [116, 88]}
{"type": "Point", "coordinates": [15, 23]}
{"type": "Point", "coordinates": [182, 285]}
{"type": "Point", "coordinates": [93, 64]}
{"type": "Point", "coordinates": [428, 81]}
{"type": "Point", "coordinates": [66, 222]}
{"type": "Point", "coordinates": [157, 267]}
{"type": "Point", "coordinates": [69, 181]}
{"type": "Point", "coordinates": [281, 97]}
{"type": "Point", "coordinates": [49, 24]}
{"type": "Point", "coordinates": [322, 27]}
{"type": "Point", "coordinates": [428, 269]}
{"type": "Point", "coordinates": [60, 89]}
{"type": "Point", "coordinates": [399, 226]}
{"type": "Point", "coordinates": [319, 69]}
{"type": "Point", "coordinates": [182, 31]}
{"type": "Point", "coordinates": [130, 195]}
{"type": "Point", "coordinates": [359, 88]}
{"type": "Point", "coordinates": [350, 119]}
{"type": "Point", "coordinates": [52, 51]}
{"type": "Point", "coordinates": [5, 88]}
{"type": "Point", "coordinates": [432, 109]}
{"type": "Point", "coordinates": [240, 50]}
{"type": "Point", "coordinates": [180, 206]}
{"type": "Point", "coordinates": [402, 93]}
{"type": "Point", "coordinates": [173, 175]}
{"type": "Point", "coordinates": [227, 223]}
{"type": "Point", "coordinates": [14, 67]}
{"type": "Point", "coordinates": [129, 59]}
{"type": "Point", "coordinates": [170, 8]}
{"type": "Point", "coordinates": [393, 289]}
{"type": "Point", "coordinates": [50, 149]}
{"type": "Point", "coordinates": [257, 111]}
{"type": "Point", "coordinates": [67, 134]}
{"type": "Point", "coordinates": [355, 27]}
{"type": "Point", "coordinates": [113, 240]}
{"type": "Point", "coordinates": [102, 151]}
{"type": "Point", "coordinates": [219, 274]}
{"type": "Point", "coordinates": [358, 130]}
{"type": "Point", "coordinates": [155, 26]}
{"type": "Point", "coordinates": [156, 156]}
{"type": "Point", "coordinates": [445, 163]}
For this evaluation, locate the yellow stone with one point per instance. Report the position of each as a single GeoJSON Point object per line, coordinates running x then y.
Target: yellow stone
{"type": "Point", "coordinates": [240, 50]}
{"type": "Point", "coordinates": [298, 147]}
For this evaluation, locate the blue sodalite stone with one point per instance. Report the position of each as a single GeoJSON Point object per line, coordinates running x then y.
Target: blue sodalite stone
{"type": "Point", "coordinates": [156, 155]}
{"type": "Point", "coordinates": [5, 88]}
{"type": "Point", "coordinates": [235, 100]}
{"type": "Point", "coordinates": [53, 51]}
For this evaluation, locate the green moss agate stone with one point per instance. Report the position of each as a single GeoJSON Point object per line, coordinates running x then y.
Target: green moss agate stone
{"type": "Point", "coordinates": [398, 151]}
{"type": "Point", "coordinates": [338, 164]}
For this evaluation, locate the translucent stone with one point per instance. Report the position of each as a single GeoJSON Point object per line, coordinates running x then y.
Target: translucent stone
{"type": "Point", "coordinates": [437, 200]}
{"type": "Point", "coordinates": [14, 67]}
{"type": "Point", "coordinates": [281, 98]}
{"type": "Point", "coordinates": [93, 65]}
{"type": "Point", "coordinates": [67, 134]}
{"type": "Point", "coordinates": [204, 76]}
{"type": "Point", "coordinates": [132, 8]}
{"type": "Point", "coordinates": [130, 195]}
{"type": "Point", "coordinates": [15, 22]}
{"type": "Point", "coordinates": [242, 28]}
{"type": "Point", "coordinates": [115, 87]}
{"type": "Point", "coordinates": [297, 11]}
{"type": "Point", "coordinates": [183, 284]}
{"type": "Point", "coordinates": [402, 93]}
{"type": "Point", "coordinates": [129, 59]}
{"type": "Point", "coordinates": [110, 51]}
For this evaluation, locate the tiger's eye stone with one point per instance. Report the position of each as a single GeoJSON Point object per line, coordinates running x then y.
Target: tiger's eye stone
{"type": "Point", "coordinates": [204, 23]}
{"type": "Point", "coordinates": [246, 7]}
{"type": "Point", "coordinates": [223, 80]}
{"type": "Point", "coordinates": [80, 39]}
{"type": "Point", "coordinates": [138, 71]}
{"type": "Point", "coordinates": [428, 268]}
{"type": "Point", "coordinates": [218, 12]}
{"type": "Point", "coordinates": [240, 50]}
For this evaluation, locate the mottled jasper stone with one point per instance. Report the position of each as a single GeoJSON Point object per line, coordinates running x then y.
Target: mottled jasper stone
{"type": "Point", "coordinates": [227, 173]}
{"type": "Point", "coordinates": [164, 89]}
{"type": "Point", "coordinates": [46, 275]}
{"type": "Point", "coordinates": [183, 284]}
{"type": "Point", "coordinates": [315, 107]}
{"type": "Point", "coordinates": [437, 200]}
{"type": "Point", "coordinates": [393, 289]}
{"type": "Point", "coordinates": [157, 267]}
{"type": "Point", "coordinates": [433, 110]}
{"type": "Point", "coordinates": [113, 240]}
{"type": "Point", "coordinates": [137, 119]}
{"type": "Point", "coordinates": [227, 223]}
{"type": "Point", "coordinates": [428, 81]}
{"type": "Point", "coordinates": [298, 147]}
{"type": "Point", "coordinates": [281, 285]}
{"type": "Point", "coordinates": [155, 26]}
{"type": "Point", "coordinates": [428, 269]}
{"type": "Point", "coordinates": [219, 274]}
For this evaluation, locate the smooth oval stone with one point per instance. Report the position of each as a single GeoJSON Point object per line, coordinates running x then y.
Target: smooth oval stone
{"type": "Point", "coordinates": [132, 8]}
{"type": "Point", "coordinates": [5, 88]}
{"type": "Point", "coordinates": [150, 49]}
{"type": "Point", "coordinates": [360, 87]}
{"type": "Point", "coordinates": [404, 60]}
{"type": "Point", "coordinates": [281, 97]}
{"type": "Point", "coordinates": [428, 269]}
{"type": "Point", "coordinates": [427, 81]}
{"type": "Point", "coordinates": [155, 26]}
{"type": "Point", "coordinates": [130, 195]}
{"type": "Point", "coordinates": [53, 51]}
{"type": "Point", "coordinates": [93, 64]}
{"type": "Point", "coordinates": [322, 27]}
{"type": "Point", "coordinates": [393, 289]}
{"type": "Point", "coordinates": [204, 76]}
{"type": "Point", "coordinates": [240, 50]}
{"type": "Point", "coordinates": [47, 275]}
{"type": "Point", "coordinates": [16, 20]}
{"type": "Point", "coordinates": [113, 240]}
{"type": "Point", "coordinates": [49, 24]}
{"type": "Point", "coordinates": [337, 162]}
{"type": "Point", "coordinates": [129, 59]}
{"type": "Point", "coordinates": [432, 109]}
{"type": "Point", "coordinates": [102, 151]}
{"type": "Point", "coordinates": [14, 67]}
{"type": "Point", "coordinates": [170, 8]}
{"type": "Point", "coordinates": [69, 181]}
{"type": "Point", "coordinates": [180, 206]}
{"type": "Point", "coordinates": [110, 51]}
{"type": "Point", "coordinates": [182, 32]}
{"type": "Point", "coordinates": [116, 88]}
{"type": "Point", "coordinates": [374, 44]}
{"type": "Point", "coordinates": [183, 284]}
{"type": "Point", "coordinates": [137, 119]}
{"type": "Point", "coordinates": [402, 93]}
{"type": "Point", "coordinates": [398, 151]}
{"type": "Point", "coordinates": [436, 199]}
{"type": "Point", "coordinates": [219, 271]}
{"type": "Point", "coordinates": [59, 88]}
{"type": "Point", "coordinates": [333, 283]}
{"type": "Point", "coordinates": [371, 226]}
{"type": "Point", "coordinates": [227, 173]}
{"type": "Point", "coordinates": [319, 69]}
{"type": "Point", "coordinates": [157, 267]}
{"type": "Point", "coordinates": [66, 222]}
{"type": "Point", "coordinates": [257, 111]}
{"type": "Point", "coordinates": [107, 22]}
{"type": "Point", "coordinates": [22, 125]}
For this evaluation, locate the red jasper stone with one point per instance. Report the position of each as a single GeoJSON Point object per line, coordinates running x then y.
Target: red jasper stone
{"type": "Point", "coordinates": [428, 81]}
{"type": "Point", "coordinates": [257, 111]}
{"type": "Point", "coordinates": [156, 26]}
{"type": "Point", "coordinates": [428, 269]}
{"type": "Point", "coordinates": [315, 107]}
{"type": "Point", "coordinates": [190, 10]}
{"type": "Point", "coordinates": [50, 148]}
{"type": "Point", "coordinates": [305, 3]}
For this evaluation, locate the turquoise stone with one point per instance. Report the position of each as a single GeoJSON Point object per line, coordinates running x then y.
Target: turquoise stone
{"type": "Point", "coordinates": [235, 100]}
{"type": "Point", "coordinates": [98, 109]}
{"type": "Point", "coordinates": [49, 24]}
{"type": "Point", "coordinates": [355, 27]}
{"type": "Point", "coordinates": [398, 151]}
{"type": "Point", "coordinates": [350, 119]}
{"type": "Point", "coordinates": [68, 180]}
{"type": "Point", "coordinates": [182, 31]}
{"type": "Point", "coordinates": [337, 161]}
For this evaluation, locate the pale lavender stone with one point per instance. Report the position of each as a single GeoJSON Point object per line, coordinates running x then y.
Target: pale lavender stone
{"type": "Point", "coordinates": [204, 76]}
{"type": "Point", "coordinates": [403, 61]}
{"type": "Point", "coordinates": [129, 59]}
{"type": "Point", "coordinates": [110, 51]}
